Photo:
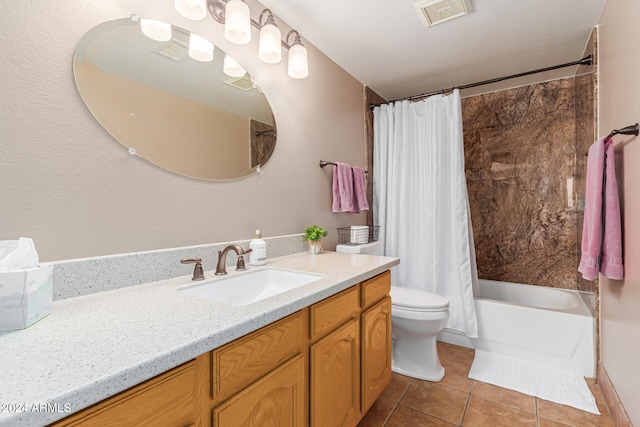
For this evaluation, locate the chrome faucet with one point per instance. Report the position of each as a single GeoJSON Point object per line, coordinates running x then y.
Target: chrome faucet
{"type": "Point", "coordinates": [221, 267]}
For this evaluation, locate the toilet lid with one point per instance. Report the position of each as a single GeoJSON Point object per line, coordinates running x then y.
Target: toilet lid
{"type": "Point", "coordinates": [416, 299]}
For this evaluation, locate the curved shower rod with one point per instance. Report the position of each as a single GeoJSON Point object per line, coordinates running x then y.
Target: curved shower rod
{"type": "Point", "coordinates": [587, 60]}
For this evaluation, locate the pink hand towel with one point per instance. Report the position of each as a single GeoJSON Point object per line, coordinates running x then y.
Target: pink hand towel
{"type": "Point", "coordinates": [359, 190]}
{"type": "Point", "coordinates": [342, 188]}
{"type": "Point", "coordinates": [592, 223]}
{"type": "Point", "coordinates": [611, 258]}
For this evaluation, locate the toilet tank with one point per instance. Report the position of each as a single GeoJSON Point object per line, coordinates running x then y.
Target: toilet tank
{"type": "Point", "coordinates": [373, 248]}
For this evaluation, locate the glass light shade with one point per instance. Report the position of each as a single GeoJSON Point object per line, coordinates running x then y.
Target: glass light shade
{"type": "Point", "coordinates": [200, 48]}
{"type": "Point", "coordinates": [237, 22]}
{"type": "Point", "coordinates": [298, 65]}
{"type": "Point", "coordinates": [270, 49]}
{"type": "Point", "coordinates": [156, 30]}
{"type": "Point", "coordinates": [232, 68]}
{"type": "Point", "coordinates": [191, 9]}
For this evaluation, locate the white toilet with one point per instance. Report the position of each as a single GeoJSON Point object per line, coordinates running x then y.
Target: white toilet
{"type": "Point", "coordinates": [417, 318]}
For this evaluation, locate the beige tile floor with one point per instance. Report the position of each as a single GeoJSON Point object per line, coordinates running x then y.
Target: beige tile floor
{"type": "Point", "coordinates": [460, 401]}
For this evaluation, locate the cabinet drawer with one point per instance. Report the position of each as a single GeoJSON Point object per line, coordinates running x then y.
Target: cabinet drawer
{"type": "Point", "coordinates": [330, 313]}
{"type": "Point", "coordinates": [243, 361]}
{"type": "Point", "coordinates": [376, 288]}
{"type": "Point", "coordinates": [170, 399]}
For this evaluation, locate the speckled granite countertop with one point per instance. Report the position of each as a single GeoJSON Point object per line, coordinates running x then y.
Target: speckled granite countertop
{"type": "Point", "coordinates": [95, 346]}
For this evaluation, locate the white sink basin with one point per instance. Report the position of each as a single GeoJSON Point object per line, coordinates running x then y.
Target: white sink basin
{"type": "Point", "coordinates": [251, 287]}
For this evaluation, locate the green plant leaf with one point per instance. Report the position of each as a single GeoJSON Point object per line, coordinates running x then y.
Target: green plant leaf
{"type": "Point", "coordinates": [314, 233]}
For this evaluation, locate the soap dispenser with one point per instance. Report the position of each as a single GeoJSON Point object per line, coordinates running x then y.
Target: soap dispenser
{"type": "Point", "coordinates": [258, 254]}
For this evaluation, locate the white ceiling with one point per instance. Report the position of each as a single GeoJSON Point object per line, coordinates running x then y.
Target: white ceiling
{"type": "Point", "coordinates": [385, 45]}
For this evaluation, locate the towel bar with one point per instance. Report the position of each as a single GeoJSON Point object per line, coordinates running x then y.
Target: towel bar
{"type": "Point", "coordinates": [324, 163]}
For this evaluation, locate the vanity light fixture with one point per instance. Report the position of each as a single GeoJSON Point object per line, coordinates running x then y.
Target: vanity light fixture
{"type": "Point", "coordinates": [231, 68]}
{"type": "Point", "coordinates": [195, 10]}
{"type": "Point", "coordinates": [200, 48]}
{"type": "Point", "coordinates": [270, 48]}
{"type": "Point", "coordinates": [237, 26]}
{"type": "Point", "coordinates": [298, 65]}
{"type": "Point", "coordinates": [156, 30]}
{"type": "Point", "coordinates": [236, 17]}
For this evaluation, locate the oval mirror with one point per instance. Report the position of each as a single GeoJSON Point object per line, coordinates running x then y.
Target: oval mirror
{"type": "Point", "coordinates": [189, 116]}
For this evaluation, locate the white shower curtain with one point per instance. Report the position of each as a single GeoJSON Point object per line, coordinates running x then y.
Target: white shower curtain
{"type": "Point", "coordinates": [420, 201]}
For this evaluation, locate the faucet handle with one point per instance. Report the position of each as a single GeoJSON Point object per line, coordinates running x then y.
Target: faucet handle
{"type": "Point", "coordinates": [240, 264]}
{"type": "Point", "coordinates": [198, 274]}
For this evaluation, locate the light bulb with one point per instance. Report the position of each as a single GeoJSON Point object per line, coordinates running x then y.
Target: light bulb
{"type": "Point", "coordinates": [191, 9]}
{"type": "Point", "coordinates": [237, 26]}
{"type": "Point", "coordinates": [232, 68]}
{"type": "Point", "coordinates": [270, 49]}
{"type": "Point", "coordinates": [200, 48]}
{"type": "Point", "coordinates": [156, 30]}
{"type": "Point", "coordinates": [298, 65]}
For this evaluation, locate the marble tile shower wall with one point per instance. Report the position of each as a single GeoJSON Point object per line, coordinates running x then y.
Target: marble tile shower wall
{"type": "Point", "coordinates": [85, 276]}
{"type": "Point", "coordinates": [520, 153]}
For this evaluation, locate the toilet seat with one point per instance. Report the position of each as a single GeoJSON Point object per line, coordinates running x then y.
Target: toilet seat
{"type": "Point", "coordinates": [417, 300]}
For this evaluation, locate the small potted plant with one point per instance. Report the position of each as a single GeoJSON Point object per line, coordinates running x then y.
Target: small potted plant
{"type": "Point", "coordinates": [313, 236]}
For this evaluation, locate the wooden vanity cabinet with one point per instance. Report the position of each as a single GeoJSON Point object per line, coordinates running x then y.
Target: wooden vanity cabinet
{"type": "Point", "coordinates": [328, 377]}
{"type": "Point", "coordinates": [350, 353]}
{"type": "Point", "coordinates": [323, 366]}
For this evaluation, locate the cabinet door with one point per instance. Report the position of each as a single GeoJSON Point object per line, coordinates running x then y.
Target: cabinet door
{"type": "Point", "coordinates": [376, 351]}
{"type": "Point", "coordinates": [335, 378]}
{"type": "Point", "coordinates": [276, 400]}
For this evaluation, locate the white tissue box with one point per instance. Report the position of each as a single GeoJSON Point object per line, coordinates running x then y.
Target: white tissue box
{"type": "Point", "coordinates": [359, 234]}
{"type": "Point", "coordinates": [26, 296]}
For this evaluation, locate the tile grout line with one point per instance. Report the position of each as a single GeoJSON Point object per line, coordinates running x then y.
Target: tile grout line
{"type": "Point", "coordinates": [427, 413]}
{"type": "Point", "coordinates": [393, 411]}
{"type": "Point", "coordinates": [466, 406]}
{"type": "Point", "coordinates": [404, 393]}
{"type": "Point", "coordinates": [395, 406]}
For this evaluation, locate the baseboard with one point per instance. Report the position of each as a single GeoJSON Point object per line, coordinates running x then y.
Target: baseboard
{"type": "Point", "coordinates": [618, 414]}
{"type": "Point", "coordinates": [451, 336]}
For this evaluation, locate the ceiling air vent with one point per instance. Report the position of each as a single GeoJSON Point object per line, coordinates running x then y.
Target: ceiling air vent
{"type": "Point", "coordinates": [243, 83]}
{"type": "Point", "coordinates": [434, 12]}
{"type": "Point", "coordinates": [176, 49]}
{"type": "Point", "coordinates": [176, 52]}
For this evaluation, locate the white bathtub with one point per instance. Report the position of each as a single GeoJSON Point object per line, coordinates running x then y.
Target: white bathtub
{"type": "Point", "coordinates": [551, 326]}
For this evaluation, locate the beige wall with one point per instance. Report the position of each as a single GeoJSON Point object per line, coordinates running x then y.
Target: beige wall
{"type": "Point", "coordinates": [65, 182]}
{"type": "Point", "coordinates": [620, 106]}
